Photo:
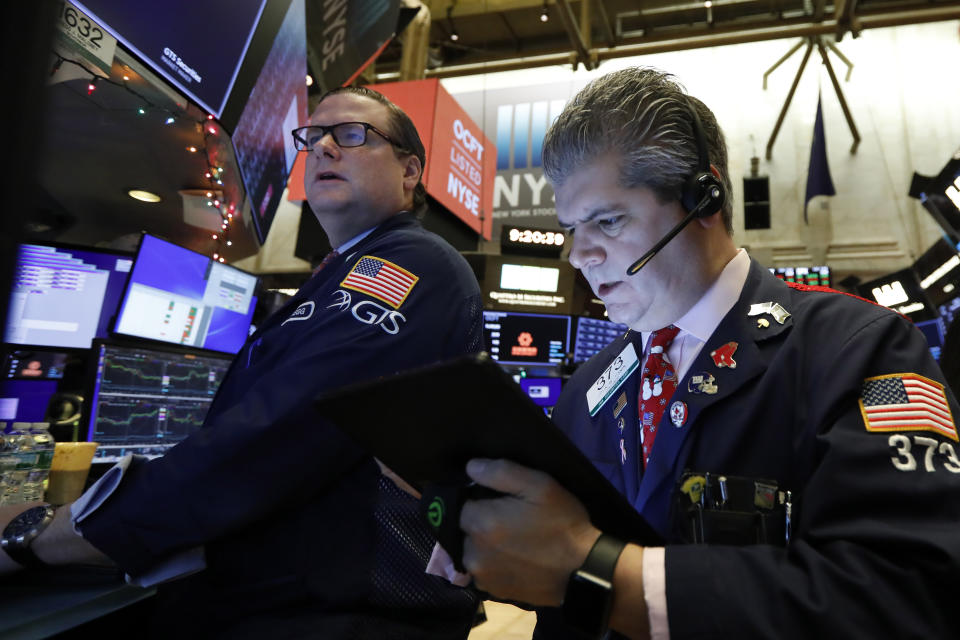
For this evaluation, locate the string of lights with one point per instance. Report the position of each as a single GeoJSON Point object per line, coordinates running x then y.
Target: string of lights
{"type": "Point", "coordinates": [209, 129]}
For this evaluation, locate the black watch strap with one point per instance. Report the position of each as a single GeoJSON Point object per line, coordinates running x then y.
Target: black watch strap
{"type": "Point", "coordinates": [602, 559]}
{"type": "Point", "coordinates": [589, 596]}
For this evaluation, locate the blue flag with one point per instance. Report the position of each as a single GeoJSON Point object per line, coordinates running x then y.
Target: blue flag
{"type": "Point", "coordinates": [819, 182]}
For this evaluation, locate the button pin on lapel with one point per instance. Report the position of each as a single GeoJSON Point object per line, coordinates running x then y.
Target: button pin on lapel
{"type": "Point", "coordinates": [723, 356]}
{"type": "Point", "coordinates": [678, 413]}
{"type": "Point", "coordinates": [762, 323]}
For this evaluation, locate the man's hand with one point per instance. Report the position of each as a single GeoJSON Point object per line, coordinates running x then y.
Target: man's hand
{"type": "Point", "coordinates": [525, 546]}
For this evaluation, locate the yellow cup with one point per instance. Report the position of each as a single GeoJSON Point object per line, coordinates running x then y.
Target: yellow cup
{"type": "Point", "coordinates": [69, 470]}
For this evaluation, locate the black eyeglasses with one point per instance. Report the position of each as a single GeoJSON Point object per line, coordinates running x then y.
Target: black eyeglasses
{"type": "Point", "coordinates": [345, 134]}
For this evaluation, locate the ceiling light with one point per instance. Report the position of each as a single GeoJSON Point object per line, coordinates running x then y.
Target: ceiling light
{"type": "Point", "coordinates": [453, 29]}
{"type": "Point", "coordinates": [143, 196]}
{"type": "Point", "coordinates": [708, 4]}
{"type": "Point", "coordinates": [545, 14]}
{"type": "Point", "coordinates": [309, 80]}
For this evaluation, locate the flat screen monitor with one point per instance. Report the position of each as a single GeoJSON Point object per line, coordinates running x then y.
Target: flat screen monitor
{"type": "Point", "coordinates": [933, 330]}
{"type": "Point", "coordinates": [277, 104]}
{"type": "Point", "coordinates": [176, 295]}
{"type": "Point", "coordinates": [593, 334]}
{"type": "Point", "coordinates": [146, 399]}
{"type": "Point", "coordinates": [35, 364]}
{"type": "Point", "coordinates": [525, 277]}
{"type": "Point", "coordinates": [514, 338]}
{"type": "Point", "coordinates": [949, 311]}
{"type": "Point", "coordinates": [25, 400]}
{"type": "Point", "coordinates": [196, 45]}
{"type": "Point", "coordinates": [543, 391]}
{"type": "Point", "coordinates": [817, 276]}
{"type": "Point", "coordinates": [64, 296]}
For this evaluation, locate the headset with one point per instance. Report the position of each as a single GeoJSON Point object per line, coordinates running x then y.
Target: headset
{"type": "Point", "coordinates": [701, 196]}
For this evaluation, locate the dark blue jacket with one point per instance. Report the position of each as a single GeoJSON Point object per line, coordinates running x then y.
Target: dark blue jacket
{"type": "Point", "coordinates": [303, 536]}
{"type": "Point", "coordinates": [876, 533]}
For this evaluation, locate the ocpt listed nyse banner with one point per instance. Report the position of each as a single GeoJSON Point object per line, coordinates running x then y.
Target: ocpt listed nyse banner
{"type": "Point", "coordinates": [461, 160]}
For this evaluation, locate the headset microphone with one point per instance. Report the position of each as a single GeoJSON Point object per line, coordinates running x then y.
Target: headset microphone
{"type": "Point", "coordinates": [696, 212]}
{"type": "Point", "coordinates": [702, 194]}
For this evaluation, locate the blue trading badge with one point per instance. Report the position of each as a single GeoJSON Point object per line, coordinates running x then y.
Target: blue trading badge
{"type": "Point", "coordinates": [703, 382]}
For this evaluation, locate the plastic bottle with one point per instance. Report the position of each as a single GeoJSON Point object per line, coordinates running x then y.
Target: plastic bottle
{"type": "Point", "coordinates": [35, 483]}
{"type": "Point", "coordinates": [18, 459]}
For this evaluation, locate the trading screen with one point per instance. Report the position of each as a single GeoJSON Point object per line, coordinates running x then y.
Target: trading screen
{"type": "Point", "coordinates": [147, 400]}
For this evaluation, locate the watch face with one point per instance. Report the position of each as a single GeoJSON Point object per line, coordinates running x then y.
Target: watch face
{"type": "Point", "coordinates": [587, 603]}
{"type": "Point", "coordinates": [26, 522]}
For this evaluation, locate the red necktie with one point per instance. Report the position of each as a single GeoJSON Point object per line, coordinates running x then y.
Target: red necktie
{"type": "Point", "coordinates": [657, 383]}
{"type": "Point", "coordinates": [327, 259]}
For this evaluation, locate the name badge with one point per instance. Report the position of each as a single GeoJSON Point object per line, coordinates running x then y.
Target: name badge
{"type": "Point", "coordinates": [612, 378]}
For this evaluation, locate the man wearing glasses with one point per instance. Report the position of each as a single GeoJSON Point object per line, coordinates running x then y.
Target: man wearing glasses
{"type": "Point", "coordinates": [298, 531]}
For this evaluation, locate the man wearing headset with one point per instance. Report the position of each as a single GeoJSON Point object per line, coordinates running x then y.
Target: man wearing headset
{"type": "Point", "coordinates": [801, 438]}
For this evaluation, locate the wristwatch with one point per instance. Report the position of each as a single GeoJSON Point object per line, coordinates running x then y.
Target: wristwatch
{"type": "Point", "coordinates": [589, 596]}
{"type": "Point", "coordinates": [20, 533]}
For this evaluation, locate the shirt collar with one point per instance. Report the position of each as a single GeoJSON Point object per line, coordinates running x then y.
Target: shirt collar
{"type": "Point", "coordinates": [349, 244]}
{"type": "Point", "coordinates": [702, 319]}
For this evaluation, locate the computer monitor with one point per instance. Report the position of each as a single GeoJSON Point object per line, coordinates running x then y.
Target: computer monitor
{"type": "Point", "coordinates": [145, 399]}
{"type": "Point", "coordinates": [514, 338]}
{"type": "Point", "coordinates": [64, 296]}
{"type": "Point", "coordinates": [35, 364]}
{"type": "Point", "coordinates": [817, 276]}
{"type": "Point", "coordinates": [25, 400]}
{"type": "Point", "coordinates": [593, 334]}
{"type": "Point", "coordinates": [276, 104]}
{"type": "Point", "coordinates": [933, 330]}
{"type": "Point", "coordinates": [175, 38]}
{"type": "Point", "coordinates": [178, 296]}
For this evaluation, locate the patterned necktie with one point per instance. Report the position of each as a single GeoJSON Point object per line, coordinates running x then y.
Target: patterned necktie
{"type": "Point", "coordinates": [658, 382]}
{"type": "Point", "coordinates": [327, 259]}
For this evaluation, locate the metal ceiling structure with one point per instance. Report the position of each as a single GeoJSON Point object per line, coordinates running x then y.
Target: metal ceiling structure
{"type": "Point", "coordinates": [502, 35]}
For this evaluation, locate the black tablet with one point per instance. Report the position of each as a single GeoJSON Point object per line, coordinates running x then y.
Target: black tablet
{"type": "Point", "coordinates": [427, 423]}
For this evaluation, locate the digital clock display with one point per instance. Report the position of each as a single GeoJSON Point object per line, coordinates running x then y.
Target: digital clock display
{"type": "Point", "coordinates": [536, 236]}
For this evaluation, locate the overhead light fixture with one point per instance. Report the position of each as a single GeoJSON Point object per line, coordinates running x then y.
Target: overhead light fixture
{"type": "Point", "coordinates": [143, 196]}
{"type": "Point", "coordinates": [545, 14]}
{"type": "Point", "coordinates": [453, 29]}
{"type": "Point", "coordinates": [309, 80]}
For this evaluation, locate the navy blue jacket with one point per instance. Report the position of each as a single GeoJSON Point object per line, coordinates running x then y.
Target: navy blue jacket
{"type": "Point", "coordinates": [876, 533]}
{"type": "Point", "coordinates": [303, 536]}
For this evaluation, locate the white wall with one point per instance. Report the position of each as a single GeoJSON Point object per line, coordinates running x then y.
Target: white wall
{"type": "Point", "coordinates": [904, 98]}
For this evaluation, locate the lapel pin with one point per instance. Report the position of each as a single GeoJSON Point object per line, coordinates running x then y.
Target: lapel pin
{"type": "Point", "coordinates": [762, 323]}
{"type": "Point", "coordinates": [723, 356]}
{"type": "Point", "coordinates": [620, 424]}
{"type": "Point", "coordinates": [678, 413]}
{"type": "Point", "coordinates": [773, 308]}
{"type": "Point", "coordinates": [621, 404]}
{"type": "Point", "coordinates": [703, 383]}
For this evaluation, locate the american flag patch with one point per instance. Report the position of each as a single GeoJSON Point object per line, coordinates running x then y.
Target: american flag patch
{"type": "Point", "coordinates": [906, 402]}
{"type": "Point", "coordinates": [381, 279]}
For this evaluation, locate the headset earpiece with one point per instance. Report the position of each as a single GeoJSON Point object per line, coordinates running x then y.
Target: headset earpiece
{"type": "Point", "coordinates": [702, 184]}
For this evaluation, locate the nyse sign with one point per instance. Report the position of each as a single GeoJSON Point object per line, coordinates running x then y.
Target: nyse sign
{"type": "Point", "coordinates": [466, 169]}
